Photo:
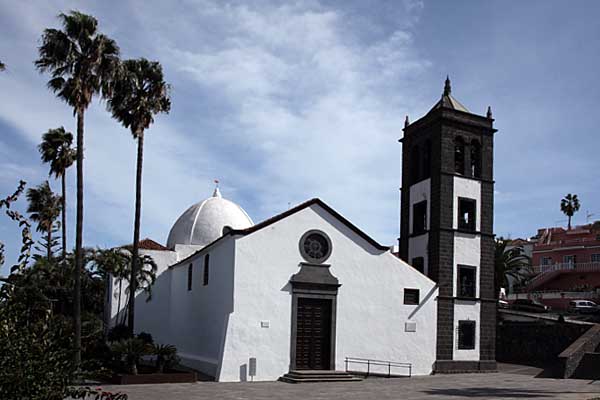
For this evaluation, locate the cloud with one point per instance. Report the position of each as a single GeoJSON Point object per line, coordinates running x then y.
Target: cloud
{"type": "Point", "coordinates": [282, 102]}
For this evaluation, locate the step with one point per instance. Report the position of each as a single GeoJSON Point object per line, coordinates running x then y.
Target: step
{"type": "Point", "coordinates": [307, 376]}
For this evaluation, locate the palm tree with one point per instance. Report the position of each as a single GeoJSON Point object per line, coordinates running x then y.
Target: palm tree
{"type": "Point", "coordinates": [569, 206]}
{"type": "Point", "coordinates": [56, 149]}
{"type": "Point", "coordinates": [145, 278]}
{"type": "Point", "coordinates": [44, 208]}
{"type": "Point", "coordinates": [509, 263]}
{"type": "Point", "coordinates": [111, 263]}
{"type": "Point", "coordinates": [138, 93]}
{"type": "Point", "coordinates": [81, 62]}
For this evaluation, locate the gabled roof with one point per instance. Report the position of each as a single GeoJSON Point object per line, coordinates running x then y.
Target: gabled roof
{"type": "Point", "coordinates": [285, 214]}
{"type": "Point", "coordinates": [302, 206]}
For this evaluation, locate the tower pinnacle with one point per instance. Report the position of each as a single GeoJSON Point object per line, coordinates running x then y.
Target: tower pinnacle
{"type": "Point", "coordinates": [447, 87]}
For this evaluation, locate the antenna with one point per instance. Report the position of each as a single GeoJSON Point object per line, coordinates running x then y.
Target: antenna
{"type": "Point", "coordinates": [588, 216]}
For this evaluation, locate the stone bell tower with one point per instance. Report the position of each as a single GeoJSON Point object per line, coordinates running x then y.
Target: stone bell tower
{"type": "Point", "coordinates": [446, 228]}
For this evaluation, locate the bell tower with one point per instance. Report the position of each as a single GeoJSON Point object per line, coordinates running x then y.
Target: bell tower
{"type": "Point", "coordinates": [446, 228]}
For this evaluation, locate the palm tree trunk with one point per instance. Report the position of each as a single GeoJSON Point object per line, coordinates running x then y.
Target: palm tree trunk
{"type": "Point", "coordinates": [78, 240]}
{"type": "Point", "coordinates": [119, 301]}
{"type": "Point", "coordinates": [64, 215]}
{"type": "Point", "coordinates": [136, 229]}
{"type": "Point", "coordinates": [49, 239]}
{"type": "Point", "coordinates": [569, 225]}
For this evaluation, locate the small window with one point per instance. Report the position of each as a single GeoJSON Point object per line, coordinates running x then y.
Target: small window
{"type": "Point", "coordinates": [419, 217]}
{"type": "Point", "coordinates": [415, 166]}
{"type": "Point", "coordinates": [466, 335]}
{"type": "Point", "coordinates": [466, 214]}
{"type": "Point", "coordinates": [411, 296]}
{"type": "Point", "coordinates": [190, 270]}
{"type": "Point", "coordinates": [459, 155]}
{"type": "Point", "coordinates": [206, 266]}
{"type": "Point", "coordinates": [418, 263]}
{"type": "Point", "coordinates": [595, 258]}
{"type": "Point", "coordinates": [466, 281]}
{"type": "Point", "coordinates": [546, 260]}
{"type": "Point", "coordinates": [569, 260]}
{"type": "Point", "coordinates": [427, 159]}
{"type": "Point", "coordinates": [475, 159]}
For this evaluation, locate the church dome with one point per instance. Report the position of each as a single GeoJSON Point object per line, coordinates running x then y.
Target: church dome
{"type": "Point", "coordinates": [203, 222]}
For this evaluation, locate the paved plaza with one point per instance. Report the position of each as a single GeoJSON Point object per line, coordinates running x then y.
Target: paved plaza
{"type": "Point", "coordinates": [514, 382]}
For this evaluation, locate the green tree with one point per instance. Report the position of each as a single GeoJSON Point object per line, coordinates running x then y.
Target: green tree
{"type": "Point", "coordinates": [509, 263]}
{"type": "Point", "coordinates": [81, 62]}
{"type": "Point", "coordinates": [44, 208]}
{"type": "Point", "coordinates": [138, 94]}
{"type": "Point", "coordinates": [569, 205]}
{"type": "Point", "coordinates": [111, 263]}
{"type": "Point", "coordinates": [56, 149]}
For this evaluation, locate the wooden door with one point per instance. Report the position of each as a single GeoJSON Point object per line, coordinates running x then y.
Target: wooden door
{"type": "Point", "coordinates": [313, 334]}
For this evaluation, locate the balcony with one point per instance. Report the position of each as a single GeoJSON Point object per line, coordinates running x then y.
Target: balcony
{"type": "Point", "coordinates": [544, 273]}
{"type": "Point", "coordinates": [579, 267]}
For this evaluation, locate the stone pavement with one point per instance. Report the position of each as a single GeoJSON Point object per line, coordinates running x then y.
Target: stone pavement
{"type": "Point", "coordinates": [503, 385]}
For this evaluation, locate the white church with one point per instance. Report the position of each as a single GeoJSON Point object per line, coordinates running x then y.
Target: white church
{"type": "Point", "coordinates": [302, 291]}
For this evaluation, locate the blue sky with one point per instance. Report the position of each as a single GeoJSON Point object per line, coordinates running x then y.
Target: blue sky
{"type": "Point", "coordinates": [285, 101]}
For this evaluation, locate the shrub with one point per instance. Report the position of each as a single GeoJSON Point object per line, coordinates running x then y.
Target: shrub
{"type": "Point", "coordinates": [145, 337]}
{"type": "Point", "coordinates": [166, 356]}
{"type": "Point", "coordinates": [118, 333]}
{"type": "Point", "coordinates": [130, 351]}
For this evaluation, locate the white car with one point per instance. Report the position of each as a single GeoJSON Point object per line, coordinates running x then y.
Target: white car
{"type": "Point", "coordinates": [583, 307]}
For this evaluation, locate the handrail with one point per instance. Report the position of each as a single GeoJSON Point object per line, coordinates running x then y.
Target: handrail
{"type": "Point", "coordinates": [372, 362]}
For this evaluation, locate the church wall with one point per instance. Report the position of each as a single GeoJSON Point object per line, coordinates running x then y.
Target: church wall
{"type": "Point", "coordinates": [160, 289]}
{"type": "Point", "coordinates": [198, 318]}
{"type": "Point", "coordinates": [371, 316]}
{"type": "Point", "coordinates": [150, 315]}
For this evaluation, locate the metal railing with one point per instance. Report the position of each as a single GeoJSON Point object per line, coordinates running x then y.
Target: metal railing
{"type": "Point", "coordinates": [593, 266]}
{"type": "Point", "coordinates": [377, 363]}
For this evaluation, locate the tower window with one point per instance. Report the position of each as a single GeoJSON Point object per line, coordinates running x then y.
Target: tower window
{"type": "Point", "coordinates": [466, 281]}
{"type": "Point", "coordinates": [475, 159]}
{"type": "Point", "coordinates": [419, 217]}
{"type": "Point", "coordinates": [466, 335]}
{"type": "Point", "coordinates": [418, 263]}
{"type": "Point", "coordinates": [427, 159]}
{"type": "Point", "coordinates": [189, 280]}
{"type": "Point", "coordinates": [411, 296]}
{"type": "Point", "coordinates": [415, 165]}
{"type": "Point", "coordinates": [459, 155]}
{"type": "Point", "coordinates": [466, 214]}
{"type": "Point", "coordinates": [206, 261]}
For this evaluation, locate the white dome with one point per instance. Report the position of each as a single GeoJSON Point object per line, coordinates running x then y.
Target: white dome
{"type": "Point", "coordinates": [203, 222]}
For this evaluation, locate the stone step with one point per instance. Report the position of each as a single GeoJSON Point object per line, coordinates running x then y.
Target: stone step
{"type": "Point", "coordinates": [307, 376]}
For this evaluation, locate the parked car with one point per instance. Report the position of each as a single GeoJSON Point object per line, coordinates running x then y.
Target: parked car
{"type": "Point", "coordinates": [529, 305]}
{"type": "Point", "coordinates": [503, 303]}
{"type": "Point", "coordinates": [583, 307]}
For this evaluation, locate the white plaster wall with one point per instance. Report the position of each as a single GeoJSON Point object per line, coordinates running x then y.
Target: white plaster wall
{"type": "Point", "coordinates": [150, 315]}
{"type": "Point", "coordinates": [419, 192]}
{"type": "Point", "coordinates": [467, 251]}
{"type": "Point", "coordinates": [418, 247]}
{"type": "Point", "coordinates": [186, 250]}
{"type": "Point", "coordinates": [465, 310]}
{"type": "Point", "coordinates": [470, 189]}
{"type": "Point", "coordinates": [160, 289]}
{"type": "Point", "coordinates": [198, 318]}
{"type": "Point", "coordinates": [371, 315]}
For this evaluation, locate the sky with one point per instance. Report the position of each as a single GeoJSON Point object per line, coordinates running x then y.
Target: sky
{"type": "Point", "coordinates": [285, 101]}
